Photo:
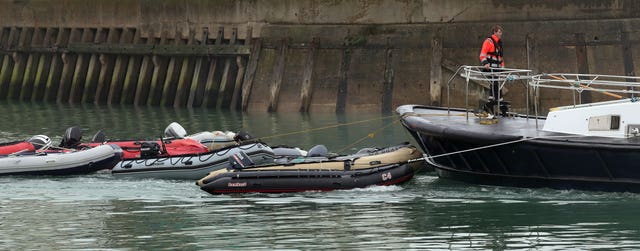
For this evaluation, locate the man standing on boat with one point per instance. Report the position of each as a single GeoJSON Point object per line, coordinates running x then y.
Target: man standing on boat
{"type": "Point", "coordinates": [491, 60]}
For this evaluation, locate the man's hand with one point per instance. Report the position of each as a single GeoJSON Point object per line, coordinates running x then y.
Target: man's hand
{"type": "Point", "coordinates": [486, 66]}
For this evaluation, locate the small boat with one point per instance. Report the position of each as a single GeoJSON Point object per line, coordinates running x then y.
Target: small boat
{"type": "Point", "coordinates": [61, 163]}
{"type": "Point", "coordinates": [138, 148]}
{"type": "Point", "coordinates": [173, 157]}
{"type": "Point", "coordinates": [316, 172]}
{"type": "Point", "coordinates": [590, 146]}
{"type": "Point", "coordinates": [32, 144]}
{"type": "Point", "coordinates": [190, 166]}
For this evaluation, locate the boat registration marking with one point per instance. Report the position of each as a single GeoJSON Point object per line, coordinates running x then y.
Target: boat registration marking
{"type": "Point", "coordinates": [386, 176]}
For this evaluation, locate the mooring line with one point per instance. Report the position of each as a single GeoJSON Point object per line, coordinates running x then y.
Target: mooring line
{"type": "Point", "coordinates": [370, 135]}
{"type": "Point", "coordinates": [494, 145]}
{"type": "Point", "coordinates": [345, 124]}
{"type": "Point", "coordinates": [325, 127]}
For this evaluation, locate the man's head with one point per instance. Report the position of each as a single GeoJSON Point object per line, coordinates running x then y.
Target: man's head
{"type": "Point", "coordinates": [497, 30]}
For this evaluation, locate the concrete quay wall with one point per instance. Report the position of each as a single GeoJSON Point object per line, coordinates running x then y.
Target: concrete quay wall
{"type": "Point", "coordinates": [299, 55]}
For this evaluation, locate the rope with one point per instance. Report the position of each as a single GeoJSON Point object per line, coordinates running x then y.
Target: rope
{"type": "Point", "coordinates": [490, 146]}
{"type": "Point", "coordinates": [370, 135]}
{"type": "Point", "coordinates": [345, 124]}
{"type": "Point", "coordinates": [322, 128]}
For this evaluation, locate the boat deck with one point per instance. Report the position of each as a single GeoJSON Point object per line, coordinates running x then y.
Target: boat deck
{"type": "Point", "coordinates": [507, 127]}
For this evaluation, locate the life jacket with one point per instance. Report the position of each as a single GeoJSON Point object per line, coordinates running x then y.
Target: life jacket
{"type": "Point", "coordinates": [494, 58]}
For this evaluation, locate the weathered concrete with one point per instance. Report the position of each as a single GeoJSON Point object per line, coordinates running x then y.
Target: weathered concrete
{"type": "Point", "coordinates": [340, 55]}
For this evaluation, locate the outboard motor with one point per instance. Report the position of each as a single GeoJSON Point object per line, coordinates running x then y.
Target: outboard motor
{"type": "Point", "coordinates": [99, 137]}
{"type": "Point", "coordinates": [40, 142]}
{"type": "Point", "coordinates": [71, 137]}
{"type": "Point", "coordinates": [318, 151]}
{"type": "Point", "coordinates": [240, 160]}
{"type": "Point", "coordinates": [149, 149]}
{"type": "Point", "coordinates": [175, 130]}
{"type": "Point", "coordinates": [242, 136]}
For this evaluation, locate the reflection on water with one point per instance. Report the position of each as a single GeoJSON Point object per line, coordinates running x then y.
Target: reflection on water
{"type": "Point", "coordinates": [100, 212]}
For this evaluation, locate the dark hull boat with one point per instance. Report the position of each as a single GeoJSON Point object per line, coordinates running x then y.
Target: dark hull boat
{"type": "Point", "coordinates": [591, 147]}
{"type": "Point", "coordinates": [387, 166]}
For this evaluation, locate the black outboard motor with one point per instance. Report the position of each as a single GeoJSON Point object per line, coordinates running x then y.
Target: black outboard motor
{"type": "Point", "coordinates": [149, 149]}
{"type": "Point", "coordinates": [99, 137]}
{"type": "Point", "coordinates": [71, 137]}
{"type": "Point", "coordinates": [242, 136]}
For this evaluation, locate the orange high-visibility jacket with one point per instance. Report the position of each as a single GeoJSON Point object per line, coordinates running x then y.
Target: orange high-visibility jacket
{"type": "Point", "coordinates": [491, 52]}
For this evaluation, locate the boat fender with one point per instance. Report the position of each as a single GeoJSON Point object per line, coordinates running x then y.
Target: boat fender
{"type": "Point", "coordinates": [347, 165]}
{"type": "Point", "coordinates": [240, 160]}
{"type": "Point", "coordinates": [149, 149]}
{"type": "Point", "coordinates": [71, 137]}
{"type": "Point", "coordinates": [318, 151]}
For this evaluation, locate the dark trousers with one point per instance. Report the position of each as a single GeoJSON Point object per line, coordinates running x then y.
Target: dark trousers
{"type": "Point", "coordinates": [494, 92]}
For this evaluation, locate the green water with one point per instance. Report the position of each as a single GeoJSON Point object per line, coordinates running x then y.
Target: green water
{"type": "Point", "coordinates": [101, 212]}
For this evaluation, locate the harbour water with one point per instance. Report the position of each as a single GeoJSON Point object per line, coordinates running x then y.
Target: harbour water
{"type": "Point", "coordinates": [99, 211]}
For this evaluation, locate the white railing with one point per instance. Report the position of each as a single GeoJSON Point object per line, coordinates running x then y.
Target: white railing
{"type": "Point", "coordinates": [618, 87]}
{"type": "Point", "coordinates": [500, 75]}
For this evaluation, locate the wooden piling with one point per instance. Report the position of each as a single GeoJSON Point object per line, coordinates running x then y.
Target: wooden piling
{"type": "Point", "coordinates": [20, 60]}
{"type": "Point", "coordinates": [144, 79]}
{"type": "Point", "coordinates": [69, 65]}
{"type": "Point", "coordinates": [435, 85]}
{"type": "Point", "coordinates": [107, 64]}
{"type": "Point", "coordinates": [387, 85]}
{"type": "Point", "coordinates": [306, 91]}
{"type": "Point", "coordinates": [7, 63]}
{"type": "Point", "coordinates": [173, 74]}
{"type": "Point", "coordinates": [132, 74]}
{"type": "Point", "coordinates": [159, 74]}
{"type": "Point", "coordinates": [31, 66]}
{"type": "Point", "coordinates": [55, 71]}
{"type": "Point", "coordinates": [120, 69]}
{"type": "Point", "coordinates": [212, 83]}
{"type": "Point", "coordinates": [185, 77]}
{"type": "Point", "coordinates": [251, 72]}
{"type": "Point", "coordinates": [82, 65]}
{"type": "Point", "coordinates": [44, 65]}
{"type": "Point", "coordinates": [341, 102]}
{"type": "Point", "coordinates": [241, 63]}
{"type": "Point", "coordinates": [278, 74]}
{"type": "Point", "coordinates": [198, 83]}
{"type": "Point", "coordinates": [225, 82]}
{"type": "Point", "coordinates": [93, 69]}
